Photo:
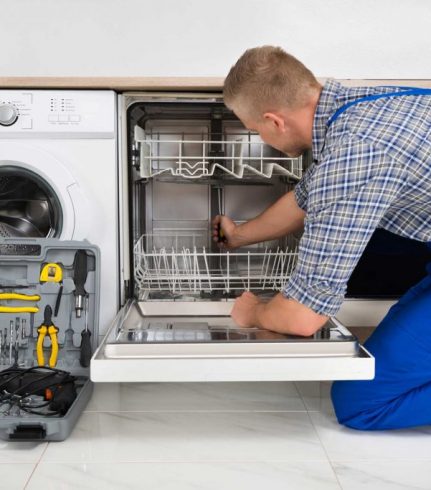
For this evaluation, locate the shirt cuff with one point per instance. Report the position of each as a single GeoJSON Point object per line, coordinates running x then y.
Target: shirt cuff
{"type": "Point", "coordinates": [319, 296]}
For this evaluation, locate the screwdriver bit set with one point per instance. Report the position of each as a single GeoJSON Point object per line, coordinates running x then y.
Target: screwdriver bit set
{"type": "Point", "coordinates": [49, 313]}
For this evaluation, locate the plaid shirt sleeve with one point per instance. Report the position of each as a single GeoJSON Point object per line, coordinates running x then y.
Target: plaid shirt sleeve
{"type": "Point", "coordinates": [351, 189]}
{"type": "Point", "coordinates": [301, 188]}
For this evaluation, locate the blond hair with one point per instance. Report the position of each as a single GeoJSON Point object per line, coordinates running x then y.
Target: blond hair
{"type": "Point", "coordinates": [267, 78]}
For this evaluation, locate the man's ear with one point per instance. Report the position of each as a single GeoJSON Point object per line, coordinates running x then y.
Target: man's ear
{"type": "Point", "coordinates": [276, 120]}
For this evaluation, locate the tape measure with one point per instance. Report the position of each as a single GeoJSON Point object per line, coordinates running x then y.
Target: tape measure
{"type": "Point", "coordinates": [51, 273]}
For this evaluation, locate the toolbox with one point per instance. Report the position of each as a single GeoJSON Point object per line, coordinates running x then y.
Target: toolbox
{"type": "Point", "coordinates": [49, 313]}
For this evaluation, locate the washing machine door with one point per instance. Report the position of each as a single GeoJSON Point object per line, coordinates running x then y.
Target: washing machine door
{"type": "Point", "coordinates": [39, 197]}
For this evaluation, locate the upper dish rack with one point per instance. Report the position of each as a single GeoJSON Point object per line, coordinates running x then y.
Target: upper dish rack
{"type": "Point", "coordinates": [195, 156]}
{"type": "Point", "coordinates": [178, 262]}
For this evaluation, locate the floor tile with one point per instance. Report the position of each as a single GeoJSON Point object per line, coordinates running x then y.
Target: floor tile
{"type": "Point", "coordinates": [301, 475]}
{"type": "Point", "coordinates": [158, 397]}
{"type": "Point", "coordinates": [344, 444]}
{"type": "Point", "coordinates": [15, 476]}
{"type": "Point", "coordinates": [199, 436]}
{"type": "Point", "coordinates": [21, 452]}
{"type": "Point", "coordinates": [384, 475]}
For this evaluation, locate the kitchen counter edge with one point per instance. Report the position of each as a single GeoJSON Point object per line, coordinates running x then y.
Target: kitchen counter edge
{"type": "Point", "coordinates": [122, 84]}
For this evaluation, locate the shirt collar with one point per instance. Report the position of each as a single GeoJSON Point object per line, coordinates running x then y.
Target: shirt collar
{"type": "Point", "coordinates": [326, 106]}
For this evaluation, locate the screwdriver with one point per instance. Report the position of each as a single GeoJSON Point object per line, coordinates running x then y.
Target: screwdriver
{"type": "Point", "coordinates": [85, 352]}
{"type": "Point", "coordinates": [221, 235]}
{"type": "Point", "coordinates": [68, 334]}
{"type": "Point", "coordinates": [11, 324]}
{"type": "Point", "coordinates": [17, 325]}
{"type": "Point", "coordinates": [80, 271]}
{"type": "Point", "coordinates": [5, 344]}
{"type": "Point", "coordinates": [31, 339]}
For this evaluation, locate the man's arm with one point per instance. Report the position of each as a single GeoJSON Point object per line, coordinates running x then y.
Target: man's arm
{"type": "Point", "coordinates": [280, 219]}
{"type": "Point", "coordinates": [353, 188]}
{"type": "Point", "coordinates": [282, 315]}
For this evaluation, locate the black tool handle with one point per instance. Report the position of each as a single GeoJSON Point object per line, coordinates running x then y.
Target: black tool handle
{"type": "Point", "coordinates": [47, 316]}
{"type": "Point", "coordinates": [80, 271]}
{"type": "Point", "coordinates": [85, 352]}
{"type": "Point", "coordinates": [57, 303]}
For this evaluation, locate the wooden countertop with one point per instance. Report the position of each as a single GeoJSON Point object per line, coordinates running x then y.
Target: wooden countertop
{"type": "Point", "coordinates": [161, 83]}
{"type": "Point", "coordinates": [114, 83]}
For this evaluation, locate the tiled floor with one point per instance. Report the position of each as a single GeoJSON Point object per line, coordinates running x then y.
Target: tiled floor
{"type": "Point", "coordinates": [218, 436]}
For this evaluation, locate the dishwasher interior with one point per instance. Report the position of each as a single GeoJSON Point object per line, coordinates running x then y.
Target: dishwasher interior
{"type": "Point", "coordinates": [192, 161]}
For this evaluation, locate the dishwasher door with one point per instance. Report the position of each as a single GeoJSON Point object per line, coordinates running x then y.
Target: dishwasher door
{"type": "Point", "coordinates": [167, 341]}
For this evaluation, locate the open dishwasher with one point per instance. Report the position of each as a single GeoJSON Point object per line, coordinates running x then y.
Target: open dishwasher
{"type": "Point", "coordinates": [186, 158]}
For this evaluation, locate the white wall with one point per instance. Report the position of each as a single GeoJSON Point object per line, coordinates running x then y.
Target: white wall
{"type": "Point", "coordinates": [338, 38]}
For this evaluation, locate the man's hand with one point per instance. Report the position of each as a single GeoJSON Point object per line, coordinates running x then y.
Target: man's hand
{"type": "Point", "coordinates": [223, 232]}
{"type": "Point", "coordinates": [280, 219]}
{"type": "Point", "coordinates": [244, 311]}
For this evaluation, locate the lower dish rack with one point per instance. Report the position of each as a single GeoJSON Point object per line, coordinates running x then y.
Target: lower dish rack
{"type": "Point", "coordinates": [175, 262]}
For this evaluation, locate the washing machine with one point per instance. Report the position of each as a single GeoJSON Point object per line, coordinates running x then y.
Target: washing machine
{"type": "Point", "coordinates": [58, 173]}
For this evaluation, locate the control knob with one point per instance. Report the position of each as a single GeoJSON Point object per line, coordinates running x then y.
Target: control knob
{"type": "Point", "coordinates": [8, 114]}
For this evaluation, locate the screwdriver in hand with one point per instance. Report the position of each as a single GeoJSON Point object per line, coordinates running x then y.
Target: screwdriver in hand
{"type": "Point", "coordinates": [221, 236]}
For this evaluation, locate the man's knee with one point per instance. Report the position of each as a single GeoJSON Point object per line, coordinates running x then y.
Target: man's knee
{"type": "Point", "coordinates": [350, 408]}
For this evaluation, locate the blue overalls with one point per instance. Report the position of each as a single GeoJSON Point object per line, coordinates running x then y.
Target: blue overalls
{"type": "Point", "coordinates": [400, 394]}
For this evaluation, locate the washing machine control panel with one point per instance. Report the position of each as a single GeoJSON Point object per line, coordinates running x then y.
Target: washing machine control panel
{"type": "Point", "coordinates": [58, 113]}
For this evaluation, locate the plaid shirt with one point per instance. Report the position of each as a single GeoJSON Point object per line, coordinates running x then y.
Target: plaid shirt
{"type": "Point", "coordinates": [371, 169]}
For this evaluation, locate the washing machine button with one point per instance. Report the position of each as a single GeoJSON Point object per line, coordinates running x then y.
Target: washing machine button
{"type": "Point", "coordinates": [8, 114]}
{"type": "Point", "coordinates": [26, 123]}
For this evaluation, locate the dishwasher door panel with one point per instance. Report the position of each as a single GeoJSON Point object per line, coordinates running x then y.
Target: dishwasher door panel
{"type": "Point", "coordinates": [181, 345]}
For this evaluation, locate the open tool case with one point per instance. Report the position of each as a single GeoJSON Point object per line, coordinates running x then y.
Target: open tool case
{"type": "Point", "coordinates": [21, 264]}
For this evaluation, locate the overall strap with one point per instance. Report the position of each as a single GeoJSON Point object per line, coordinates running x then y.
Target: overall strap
{"type": "Point", "coordinates": [405, 91]}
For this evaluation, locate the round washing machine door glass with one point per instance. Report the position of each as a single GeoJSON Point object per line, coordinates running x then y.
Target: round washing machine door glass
{"type": "Point", "coordinates": [38, 195]}
{"type": "Point", "coordinates": [28, 205]}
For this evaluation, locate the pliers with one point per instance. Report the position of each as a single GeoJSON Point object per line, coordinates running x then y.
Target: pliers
{"type": "Point", "coordinates": [49, 328]}
{"type": "Point", "coordinates": [19, 297]}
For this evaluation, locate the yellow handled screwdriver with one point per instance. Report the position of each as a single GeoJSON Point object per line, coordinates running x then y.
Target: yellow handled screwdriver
{"type": "Point", "coordinates": [49, 328]}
